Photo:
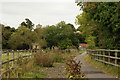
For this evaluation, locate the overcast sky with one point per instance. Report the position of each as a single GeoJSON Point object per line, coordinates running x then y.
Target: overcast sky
{"type": "Point", "coordinates": [44, 12]}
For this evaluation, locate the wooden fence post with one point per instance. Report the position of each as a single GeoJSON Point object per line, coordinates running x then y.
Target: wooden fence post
{"type": "Point", "coordinates": [24, 52]}
{"type": "Point", "coordinates": [98, 54]}
{"type": "Point", "coordinates": [116, 57]}
{"type": "Point", "coordinates": [7, 65]}
{"type": "Point", "coordinates": [103, 55]}
{"type": "Point", "coordinates": [108, 55]}
{"type": "Point", "coordinates": [12, 58]}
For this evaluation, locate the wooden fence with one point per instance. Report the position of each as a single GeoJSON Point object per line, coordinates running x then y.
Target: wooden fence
{"type": "Point", "coordinates": [9, 58]}
{"type": "Point", "coordinates": [111, 57]}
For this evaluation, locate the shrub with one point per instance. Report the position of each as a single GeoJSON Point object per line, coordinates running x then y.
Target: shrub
{"type": "Point", "coordinates": [44, 59]}
{"type": "Point", "coordinates": [73, 68]}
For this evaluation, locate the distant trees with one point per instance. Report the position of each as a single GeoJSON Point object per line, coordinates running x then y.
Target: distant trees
{"type": "Point", "coordinates": [61, 35]}
{"type": "Point", "coordinates": [100, 24]}
{"type": "Point", "coordinates": [27, 23]}
{"type": "Point", "coordinates": [22, 38]}
{"type": "Point", "coordinates": [40, 37]}
{"type": "Point", "coordinates": [7, 31]}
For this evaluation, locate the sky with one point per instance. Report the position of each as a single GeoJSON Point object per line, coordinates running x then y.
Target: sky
{"type": "Point", "coordinates": [44, 12]}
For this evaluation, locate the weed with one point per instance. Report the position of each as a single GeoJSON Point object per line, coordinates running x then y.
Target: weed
{"type": "Point", "coordinates": [73, 68]}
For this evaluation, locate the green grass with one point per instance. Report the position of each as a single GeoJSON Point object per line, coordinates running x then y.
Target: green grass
{"type": "Point", "coordinates": [81, 51]}
{"type": "Point", "coordinates": [27, 69]}
{"type": "Point", "coordinates": [4, 56]}
{"type": "Point", "coordinates": [36, 72]}
{"type": "Point", "coordinates": [109, 69]}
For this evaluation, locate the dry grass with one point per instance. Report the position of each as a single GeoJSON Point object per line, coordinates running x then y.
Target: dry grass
{"type": "Point", "coordinates": [44, 59]}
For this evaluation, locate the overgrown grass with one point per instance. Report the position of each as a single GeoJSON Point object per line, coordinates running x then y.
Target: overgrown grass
{"type": "Point", "coordinates": [31, 70]}
{"type": "Point", "coordinates": [109, 69]}
{"type": "Point", "coordinates": [58, 57]}
{"type": "Point", "coordinates": [47, 59]}
{"type": "Point", "coordinates": [44, 59]}
{"type": "Point", "coordinates": [35, 72]}
{"type": "Point", "coordinates": [32, 67]}
{"type": "Point", "coordinates": [81, 51]}
{"type": "Point", "coordinates": [26, 68]}
{"type": "Point", "coordinates": [5, 55]}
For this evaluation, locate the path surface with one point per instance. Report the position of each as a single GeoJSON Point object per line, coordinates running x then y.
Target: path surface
{"type": "Point", "coordinates": [90, 71]}
{"type": "Point", "coordinates": [58, 71]}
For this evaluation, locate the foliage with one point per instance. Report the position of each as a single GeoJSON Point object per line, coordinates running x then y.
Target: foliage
{"type": "Point", "coordinates": [22, 38]}
{"type": "Point", "coordinates": [51, 35]}
{"type": "Point", "coordinates": [64, 44]}
{"type": "Point", "coordinates": [74, 68]}
{"type": "Point", "coordinates": [100, 21]}
{"type": "Point", "coordinates": [27, 24]}
{"type": "Point", "coordinates": [6, 34]}
{"type": "Point", "coordinates": [40, 38]}
{"type": "Point", "coordinates": [61, 35]}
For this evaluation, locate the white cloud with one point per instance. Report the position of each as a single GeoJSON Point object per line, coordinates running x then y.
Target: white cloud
{"type": "Point", "coordinates": [45, 12]}
{"type": "Point", "coordinates": [35, 0]}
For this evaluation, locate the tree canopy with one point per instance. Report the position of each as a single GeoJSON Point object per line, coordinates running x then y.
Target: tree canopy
{"type": "Point", "coordinates": [100, 24]}
{"type": "Point", "coordinates": [61, 35]}
{"type": "Point", "coordinates": [27, 23]}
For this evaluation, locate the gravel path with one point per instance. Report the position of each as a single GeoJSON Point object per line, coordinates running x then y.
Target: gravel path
{"type": "Point", "coordinates": [58, 71]}
{"type": "Point", "coordinates": [92, 72]}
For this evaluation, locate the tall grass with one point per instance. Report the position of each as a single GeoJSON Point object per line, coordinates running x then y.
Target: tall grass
{"type": "Point", "coordinates": [24, 68]}
{"type": "Point", "coordinates": [44, 59]}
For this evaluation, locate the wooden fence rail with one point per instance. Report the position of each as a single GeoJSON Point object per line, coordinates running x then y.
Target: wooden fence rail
{"type": "Point", "coordinates": [11, 56]}
{"type": "Point", "coordinates": [111, 57]}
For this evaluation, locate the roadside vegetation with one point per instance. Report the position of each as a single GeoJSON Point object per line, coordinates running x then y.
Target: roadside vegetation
{"type": "Point", "coordinates": [37, 65]}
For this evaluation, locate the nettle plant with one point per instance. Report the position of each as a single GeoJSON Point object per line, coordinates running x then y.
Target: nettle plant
{"type": "Point", "coordinates": [73, 68]}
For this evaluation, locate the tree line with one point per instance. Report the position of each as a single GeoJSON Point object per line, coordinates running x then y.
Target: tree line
{"type": "Point", "coordinates": [61, 35]}
{"type": "Point", "coordinates": [100, 24]}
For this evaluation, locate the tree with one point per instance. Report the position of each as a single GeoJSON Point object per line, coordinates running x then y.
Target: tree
{"type": "Point", "coordinates": [40, 38]}
{"type": "Point", "coordinates": [100, 23]}
{"type": "Point", "coordinates": [6, 34]}
{"type": "Point", "coordinates": [27, 24]}
{"type": "Point", "coordinates": [64, 44]}
{"type": "Point", "coordinates": [51, 35]}
{"type": "Point", "coordinates": [22, 38]}
{"type": "Point", "coordinates": [61, 35]}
